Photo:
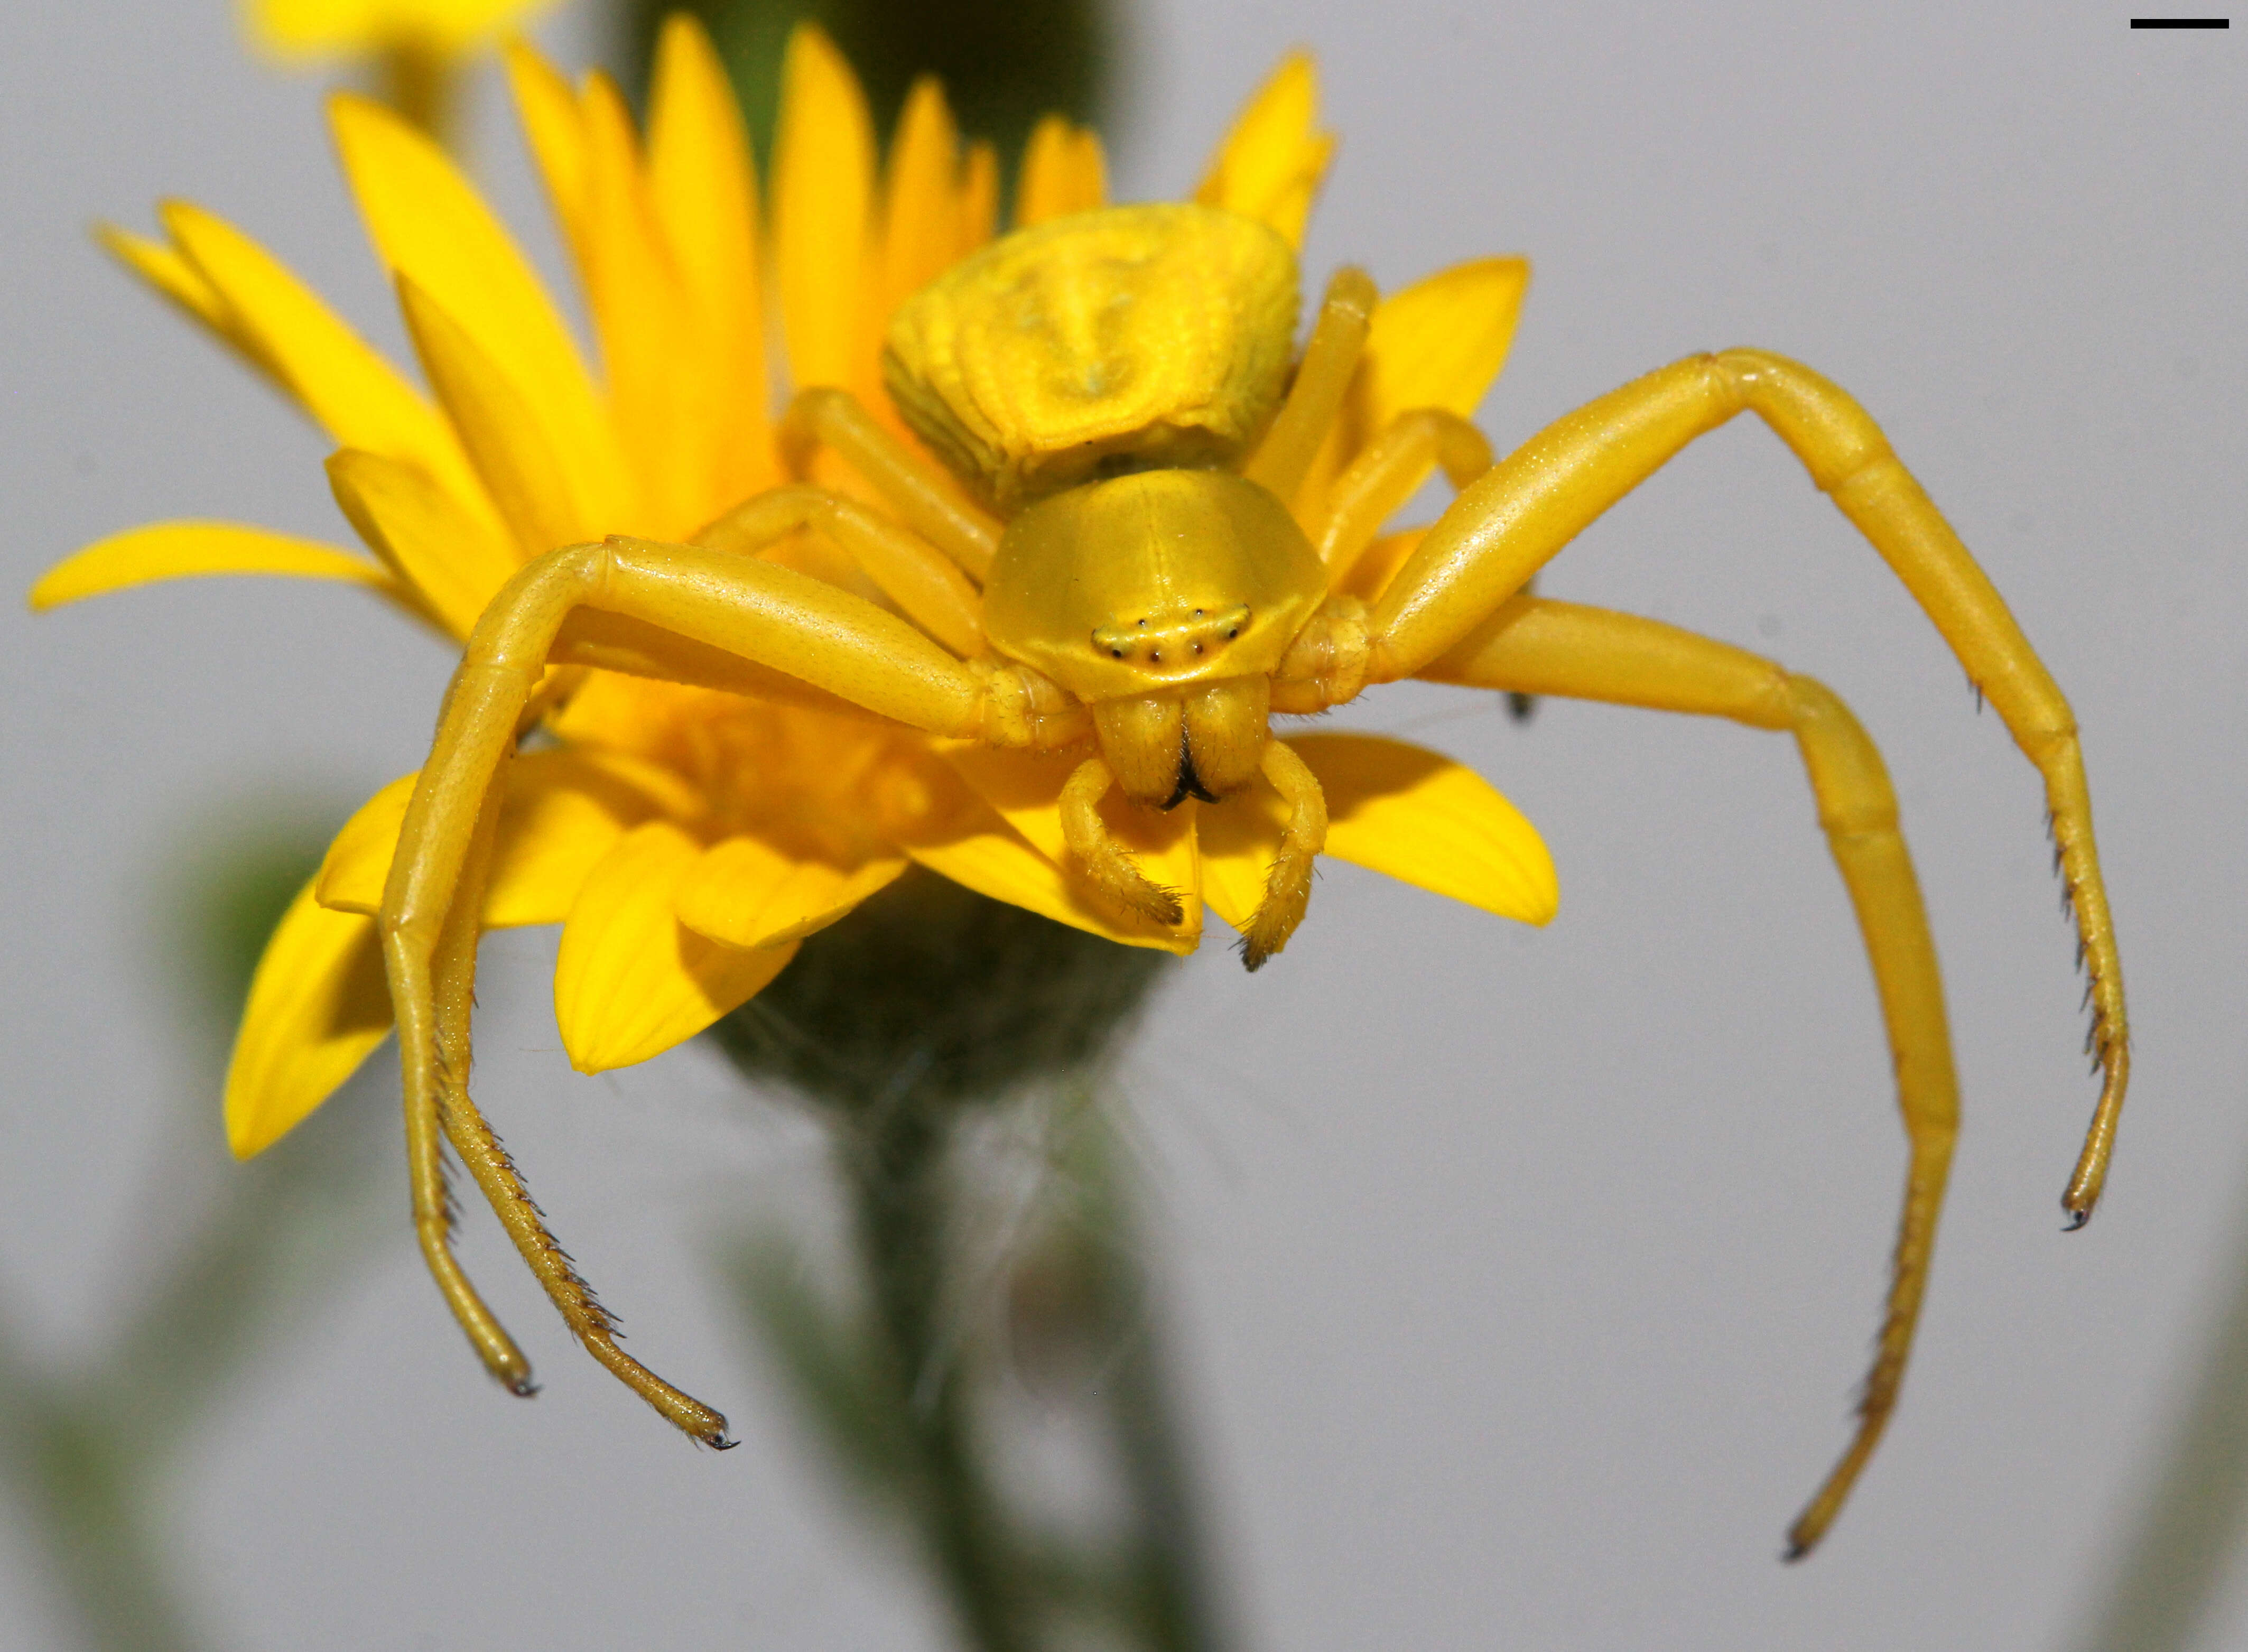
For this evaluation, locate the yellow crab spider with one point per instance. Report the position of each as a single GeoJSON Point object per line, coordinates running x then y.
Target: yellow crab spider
{"type": "Point", "coordinates": [1116, 392]}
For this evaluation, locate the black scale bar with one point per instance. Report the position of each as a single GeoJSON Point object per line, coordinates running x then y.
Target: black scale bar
{"type": "Point", "coordinates": [2180, 23]}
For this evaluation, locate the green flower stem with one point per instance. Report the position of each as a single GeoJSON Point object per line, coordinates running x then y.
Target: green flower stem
{"type": "Point", "coordinates": [2176, 1555]}
{"type": "Point", "coordinates": [895, 1160]}
{"type": "Point", "coordinates": [1174, 1598]}
{"type": "Point", "coordinates": [89, 1453]}
{"type": "Point", "coordinates": [89, 1501]}
{"type": "Point", "coordinates": [928, 1008]}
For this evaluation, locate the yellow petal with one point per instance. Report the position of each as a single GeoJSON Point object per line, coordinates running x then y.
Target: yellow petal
{"type": "Point", "coordinates": [1437, 343]}
{"type": "Point", "coordinates": [548, 110]}
{"type": "Point", "coordinates": [664, 391]}
{"type": "Point", "coordinates": [823, 195]}
{"type": "Point", "coordinates": [318, 1005]}
{"type": "Point", "coordinates": [1238, 839]}
{"type": "Point", "coordinates": [456, 560]}
{"type": "Point", "coordinates": [357, 862]}
{"type": "Point", "coordinates": [1442, 341]}
{"type": "Point", "coordinates": [1064, 171]}
{"type": "Point", "coordinates": [335, 375]}
{"type": "Point", "coordinates": [987, 856]}
{"type": "Point", "coordinates": [979, 197]}
{"type": "Point", "coordinates": [527, 475]}
{"type": "Point", "coordinates": [564, 811]}
{"type": "Point", "coordinates": [704, 190]}
{"type": "Point", "coordinates": [933, 814]}
{"type": "Point", "coordinates": [1422, 817]}
{"type": "Point", "coordinates": [163, 268]}
{"type": "Point", "coordinates": [1000, 865]}
{"type": "Point", "coordinates": [920, 228]}
{"type": "Point", "coordinates": [1269, 166]}
{"type": "Point", "coordinates": [631, 980]}
{"type": "Point", "coordinates": [188, 550]}
{"type": "Point", "coordinates": [1023, 786]}
{"type": "Point", "coordinates": [429, 225]}
{"type": "Point", "coordinates": [1371, 574]}
{"type": "Point", "coordinates": [747, 894]}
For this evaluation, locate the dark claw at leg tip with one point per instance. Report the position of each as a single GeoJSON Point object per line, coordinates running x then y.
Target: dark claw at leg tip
{"type": "Point", "coordinates": [2076, 1220]}
{"type": "Point", "coordinates": [525, 1389]}
{"type": "Point", "coordinates": [718, 1442]}
{"type": "Point", "coordinates": [1794, 1553]}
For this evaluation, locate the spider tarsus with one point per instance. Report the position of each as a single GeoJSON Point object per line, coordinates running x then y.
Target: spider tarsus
{"type": "Point", "coordinates": [1265, 937]}
{"type": "Point", "coordinates": [1139, 893]}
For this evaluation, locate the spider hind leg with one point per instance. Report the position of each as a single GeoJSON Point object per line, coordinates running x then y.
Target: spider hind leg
{"type": "Point", "coordinates": [1534, 646]}
{"type": "Point", "coordinates": [724, 602]}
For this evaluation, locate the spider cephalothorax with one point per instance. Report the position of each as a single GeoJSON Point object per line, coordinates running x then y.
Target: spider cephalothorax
{"type": "Point", "coordinates": [1165, 601]}
{"type": "Point", "coordinates": [1125, 563]}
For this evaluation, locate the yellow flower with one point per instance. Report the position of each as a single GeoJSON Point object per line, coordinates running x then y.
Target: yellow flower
{"type": "Point", "coordinates": [301, 28]}
{"type": "Point", "coordinates": [689, 837]}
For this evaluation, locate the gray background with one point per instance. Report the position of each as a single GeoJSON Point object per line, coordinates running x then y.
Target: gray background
{"type": "Point", "coordinates": [1521, 1279]}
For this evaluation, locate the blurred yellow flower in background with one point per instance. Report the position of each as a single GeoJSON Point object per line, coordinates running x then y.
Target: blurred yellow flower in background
{"type": "Point", "coordinates": [316, 28]}
{"type": "Point", "coordinates": [415, 49]}
{"type": "Point", "coordinates": [688, 834]}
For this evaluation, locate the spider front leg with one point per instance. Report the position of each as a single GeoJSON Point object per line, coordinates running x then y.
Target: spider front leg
{"type": "Point", "coordinates": [1505, 526]}
{"type": "Point", "coordinates": [453, 968]}
{"type": "Point", "coordinates": [738, 606]}
{"type": "Point", "coordinates": [1532, 646]}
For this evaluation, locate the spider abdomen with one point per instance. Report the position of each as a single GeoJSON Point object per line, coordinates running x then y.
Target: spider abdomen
{"type": "Point", "coordinates": [1141, 336]}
